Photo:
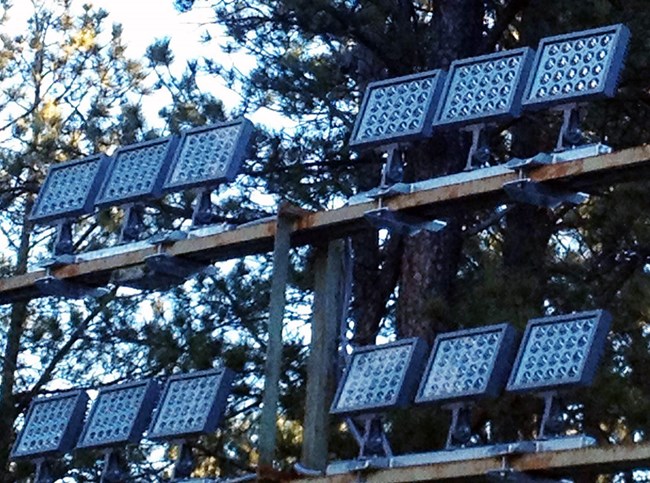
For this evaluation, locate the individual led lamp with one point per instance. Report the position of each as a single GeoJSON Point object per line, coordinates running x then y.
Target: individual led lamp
{"type": "Point", "coordinates": [68, 192]}
{"type": "Point", "coordinates": [574, 68]}
{"type": "Point", "coordinates": [191, 405]}
{"type": "Point", "coordinates": [378, 378]}
{"type": "Point", "coordinates": [481, 90]}
{"type": "Point", "coordinates": [206, 157]}
{"type": "Point", "coordinates": [118, 417]}
{"type": "Point", "coordinates": [52, 426]}
{"type": "Point", "coordinates": [394, 112]}
{"type": "Point", "coordinates": [464, 366]}
{"type": "Point", "coordinates": [558, 353]}
{"type": "Point", "coordinates": [135, 175]}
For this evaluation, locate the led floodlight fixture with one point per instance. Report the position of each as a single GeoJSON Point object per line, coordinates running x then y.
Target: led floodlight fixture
{"type": "Point", "coordinates": [377, 378]}
{"type": "Point", "coordinates": [483, 89]}
{"type": "Point", "coordinates": [69, 189]}
{"type": "Point", "coordinates": [119, 415]}
{"type": "Point", "coordinates": [480, 90]}
{"type": "Point", "coordinates": [560, 352]}
{"type": "Point", "coordinates": [468, 364]}
{"type": "Point", "coordinates": [577, 66]}
{"type": "Point", "coordinates": [206, 157]}
{"type": "Point", "coordinates": [136, 172]}
{"type": "Point", "coordinates": [380, 377]}
{"type": "Point", "coordinates": [209, 155]}
{"type": "Point", "coordinates": [574, 68]}
{"type": "Point", "coordinates": [52, 426]}
{"type": "Point", "coordinates": [397, 110]}
{"type": "Point", "coordinates": [191, 404]}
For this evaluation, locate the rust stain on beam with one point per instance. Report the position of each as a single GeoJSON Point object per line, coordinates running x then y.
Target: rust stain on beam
{"type": "Point", "coordinates": [592, 460]}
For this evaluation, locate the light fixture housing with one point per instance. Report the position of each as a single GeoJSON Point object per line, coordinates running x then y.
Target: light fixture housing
{"type": "Point", "coordinates": [397, 110]}
{"type": "Point", "coordinates": [468, 364]}
{"type": "Point", "coordinates": [52, 425]}
{"type": "Point", "coordinates": [191, 404]}
{"type": "Point", "coordinates": [380, 377]}
{"type": "Point", "coordinates": [483, 89]}
{"type": "Point", "coordinates": [136, 172]}
{"type": "Point", "coordinates": [209, 155]}
{"type": "Point", "coordinates": [577, 66]}
{"type": "Point", "coordinates": [560, 352]}
{"type": "Point", "coordinates": [120, 414]}
{"type": "Point", "coordinates": [69, 189]}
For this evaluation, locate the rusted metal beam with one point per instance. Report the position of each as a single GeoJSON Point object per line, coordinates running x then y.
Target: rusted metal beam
{"type": "Point", "coordinates": [441, 194]}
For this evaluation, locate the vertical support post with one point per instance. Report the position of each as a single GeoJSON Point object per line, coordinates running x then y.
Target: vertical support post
{"type": "Point", "coordinates": [328, 270]}
{"type": "Point", "coordinates": [273, 366]}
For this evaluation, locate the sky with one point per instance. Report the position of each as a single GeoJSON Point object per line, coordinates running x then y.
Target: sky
{"type": "Point", "coordinates": [144, 21]}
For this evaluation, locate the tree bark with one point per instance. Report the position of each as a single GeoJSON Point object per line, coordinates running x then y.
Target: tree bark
{"type": "Point", "coordinates": [430, 260]}
{"type": "Point", "coordinates": [19, 312]}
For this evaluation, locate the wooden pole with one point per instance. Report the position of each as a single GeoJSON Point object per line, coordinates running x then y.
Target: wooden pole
{"type": "Point", "coordinates": [273, 366]}
{"type": "Point", "coordinates": [320, 367]}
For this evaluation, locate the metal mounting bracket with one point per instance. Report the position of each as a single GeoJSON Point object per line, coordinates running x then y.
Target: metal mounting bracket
{"type": "Point", "coordinates": [508, 475]}
{"type": "Point", "coordinates": [167, 237]}
{"type": "Point", "coordinates": [58, 261]}
{"type": "Point", "coordinates": [402, 223]}
{"type": "Point", "coordinates": [133, 223]}
{"type": "Point", "coordinates": [368, 432]}
{"type": "Point", "coordinates": [527, 191]}
{"type": "Point", "coordinates": [479, 152]}
{"type": "Point", "coordinates": [184, 464]}
{"type": "Point", "coordinates": [160, 271]}
{"type": "Point", "coordinates": [43, 473]}
{"type": "Point", "coordinates": [50, 286]}
{"type": "Point", "coordinates": [115, 468]}
{"type": "Point", "coordinates": [460, 429]}
{"type": "Point", "coordinates": [63, 244]}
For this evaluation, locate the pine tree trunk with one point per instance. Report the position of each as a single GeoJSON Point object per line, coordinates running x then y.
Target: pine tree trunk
{"type": "Point", "coordinates": [430, 260]}
{"type": "Point", "coordinates": [12, 349]}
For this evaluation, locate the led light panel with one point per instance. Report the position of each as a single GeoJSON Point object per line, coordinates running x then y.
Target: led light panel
{"type": "Point", "coordinates": [485, 88]}
{"type": "Point", "coordinates": [577, 66]}
{"type": "Point", "coordinates": [398, 109]}
{"type": "Point", "coordinates": [468, 364]}
{"type": "Point", "coordinates": [69, 189]}
{"type": "Point", "coordinates": [136, 172]}
{"type": "Point", "coordinates": [52, 425]}
{"type": "Point", "coordinates": [209, 155]}
{"type": "Point", "coordinates": [191, 404]}
{"type": "Point", "coordinates": [380, 377]}
{"type": "Point", "coordinates": [559, 352]}
{"type": "Point", "coordinates": [120, 414]}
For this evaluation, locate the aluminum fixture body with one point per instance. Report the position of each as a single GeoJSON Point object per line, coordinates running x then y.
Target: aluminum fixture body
{"type": "Point", "coordinates": [69, 189]}
{"type": "Point", "coordinates": [209, 155]}
{"type": "Point", "coordinates": [136, 172]}
{"type": "Point", "coordinates": [560, 352]}
{"type": "Point", "coordinates": [576, 67]}
{"type": "Point", "coordinates": [191, 404]}
{"type": "Point", "coordinates": [380, 377]}
{"type": "Point", "coordinates": [482, 89]}
{"type": "Point", "coordinates": [120, 414]}
{"type": "Point", "coordinates": [52, 425]}
{"type": "Point", "coordinates": [397, 110]}
{"type": "Point", "coordinates": [468, 364]}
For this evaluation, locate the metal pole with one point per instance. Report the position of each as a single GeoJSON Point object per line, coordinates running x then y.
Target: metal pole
{"type": "Point", "coordinates": [273, 366]}
{"type": "Point", "coordinates": [328, 269]}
